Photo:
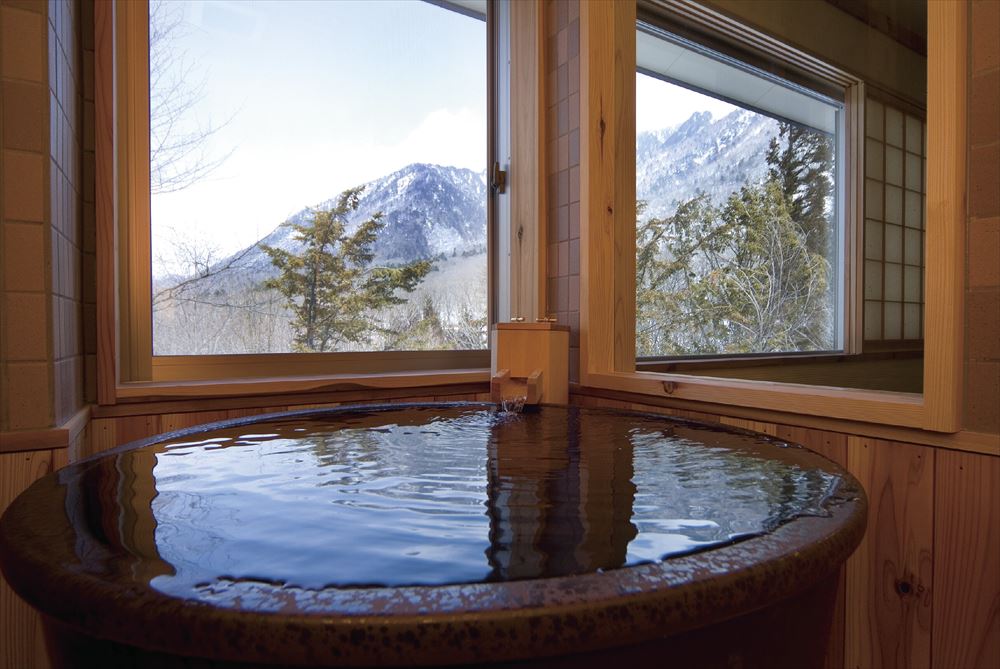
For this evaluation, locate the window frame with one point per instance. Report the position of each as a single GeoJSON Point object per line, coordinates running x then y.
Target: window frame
{"type": "Point", "coordinates": [125, 361]}
{"type": "Point", "coordinates": [829, 82]}
{"type": "Point", "coordinates": [608, 238]}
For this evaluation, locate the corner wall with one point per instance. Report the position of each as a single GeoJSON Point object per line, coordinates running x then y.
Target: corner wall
{"type": "Point", "coordinates": [982, 284]}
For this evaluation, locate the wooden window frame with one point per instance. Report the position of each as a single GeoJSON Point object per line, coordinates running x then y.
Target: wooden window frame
{"type": "Point", "coordinates": [607, 289]}
{"type": "Point", "coordinates": [126, 366]}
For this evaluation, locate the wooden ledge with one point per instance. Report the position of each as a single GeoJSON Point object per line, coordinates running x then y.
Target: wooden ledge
{"type": "Point", "coordinates": [275, 385]}
{"type": "Point", "coordinates": [48, 439]}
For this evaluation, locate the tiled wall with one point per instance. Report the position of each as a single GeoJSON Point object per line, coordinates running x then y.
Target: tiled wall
{"type": "Point", "coordinates": [894, 223]}
{"type": "Point", "coordinates": [65, 182]}
{"type": "Point", "coordinates": [982, 295]}
{"type": "Point", "coordinates": [25, 315]}
{"type": "Point", "coordinates": [42, 233]}
{"type": "Point", "coordinates": [563, 131]}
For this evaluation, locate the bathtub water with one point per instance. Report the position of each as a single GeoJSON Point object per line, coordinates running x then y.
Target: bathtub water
{"type": "Point", "coordinates": [427, 534]}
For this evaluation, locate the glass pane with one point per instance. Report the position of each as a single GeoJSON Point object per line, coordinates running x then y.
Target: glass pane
{"type": "Point", "coordinates": [893, 281]}
{"type": "Point", "coordinates": [914, 210]}
{"type": "Point", "coordinates": [313, 189]}
{"type": "Point", "coordinates": [873, 199]}
{"type": "Point", "coordinates": [912, 244]}
{"type": "Point", "coordinates": [914, 172]}
{"type": "Point", "coordinates": [893, 166]}
{"type": "Point", "coordinates": [873, 280]}
{"type": "Point", "coordinates": [893, 243]}
{"type": "Point", "coordinates": [873, 159]}
{"type": "Point", "coordinates": [893, 320]}
{"type": "Point", "coordinates": [873, 240]}
{"type": "Point", "coordinates": [912, 282]}
{"type": "Point", "coordinates": [873, 118]}
{"type": "Point", "coordinates": [893, 205]}
{"type": "Point", "coordinates": [873, 321]}
{"type": "Point", "coordinates": [914, 134]}
{"type": "Point", "coordinates": [893, 126]}
{"type": "Point", "coordinates": [911, 321]}
{"type": "Point", "coordinates": [736, 230]}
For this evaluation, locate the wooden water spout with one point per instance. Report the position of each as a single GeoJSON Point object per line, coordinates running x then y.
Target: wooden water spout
{"type": "Point", "coordinates": [530, 364]}
{"type": "Point", "coordinates": [516, 394]}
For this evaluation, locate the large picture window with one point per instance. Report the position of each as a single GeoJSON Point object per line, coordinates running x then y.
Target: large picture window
{"type": "Point", "coordinates": [740, 228]}
{"type": "Point", "coordinates": [317, 177]}
{"type": "Point", "coordinates": [295, 178]}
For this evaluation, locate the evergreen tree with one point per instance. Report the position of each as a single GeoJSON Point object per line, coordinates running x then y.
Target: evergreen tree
{"type": "Point", "coordinates": [800, 161]}
{"type": "Point", "coordinates": [331, 287]}
{"type": "Point", "coordinates": [740, 279]}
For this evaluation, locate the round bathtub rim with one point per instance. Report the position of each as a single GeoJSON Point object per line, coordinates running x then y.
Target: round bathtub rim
{"type": "Point", "coordinates": [549, 616]}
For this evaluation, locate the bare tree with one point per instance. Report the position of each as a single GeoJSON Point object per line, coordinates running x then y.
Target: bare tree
{"type": "Point", "coordinates": [179, 154]}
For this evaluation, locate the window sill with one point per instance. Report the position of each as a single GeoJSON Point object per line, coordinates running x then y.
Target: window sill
{"type": "Point", "coordinates": [149, 391]}
{"type": "Point", "coordinates": [869, 406]}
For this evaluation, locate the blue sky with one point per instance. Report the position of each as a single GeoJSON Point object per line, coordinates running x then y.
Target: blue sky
{"type": "Point", "coordinates": [315, 97]}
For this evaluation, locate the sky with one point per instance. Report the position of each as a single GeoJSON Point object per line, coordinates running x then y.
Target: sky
{"type": "Point", "coordinates": [660, 105]}
{"type": "Point", "coordinates": [310, 98]}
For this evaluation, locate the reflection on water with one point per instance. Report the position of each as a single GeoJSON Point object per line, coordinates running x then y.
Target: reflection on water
{"type": "Point", "coordinates": [431, 496]}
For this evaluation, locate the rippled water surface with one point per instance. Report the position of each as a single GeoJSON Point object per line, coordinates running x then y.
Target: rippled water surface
{"type": "Point", "coordinates": [438, 495]}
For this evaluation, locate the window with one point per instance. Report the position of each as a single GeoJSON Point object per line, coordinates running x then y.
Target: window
{"type": "Point", "coordinates": [895, 168]}
{"type": "Point", "coordinates": [764, 37]}
{"type": "Point", "coordinates": [741, 225]}
{"type": "Point", "coordinates": [311, 179]}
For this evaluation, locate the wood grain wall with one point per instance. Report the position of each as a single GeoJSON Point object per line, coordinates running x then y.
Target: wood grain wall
{"type": "Point", "coordinates": [923, 588]}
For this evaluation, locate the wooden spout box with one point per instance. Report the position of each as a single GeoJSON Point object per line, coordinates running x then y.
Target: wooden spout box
{"type": "Point", "coordinates": [524, 348]}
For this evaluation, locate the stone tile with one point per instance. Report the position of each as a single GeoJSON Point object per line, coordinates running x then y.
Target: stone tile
{"type": "Point", "coordinates": [24, 262]}
{"type": "Point", "coordinates": [24, 116]}
{"type": "Point", "coordinates": [984, 181]}
{"type": "Point", "coordinates": [984, 108]}
{"type": "Point", "coordinates": [983, 260]}
{"type": "Point", "coordinates": [29, 404]}
{"type": "Point", "coordinates": [22, 44]}
{"type": "Point", "coordinates": [574, 142]}
{"type": "Point", "coordinates": [985, 36]}
{"type": "Point", "coordinates": [23, 194]}
{"type": "Point", "coordinates": [26, 325]}
{"type": "Point", "coordinates": [982, 325]}
{"type": "Point", "coordinates": [562, 117]}
{"type": "Point", "coordinates": [982, 397]}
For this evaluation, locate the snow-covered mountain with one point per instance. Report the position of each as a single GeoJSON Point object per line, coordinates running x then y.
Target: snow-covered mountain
{"type": "Point", "coordinates": [714, 156]}
{"type": "Point", "coordinates": [431, 210]}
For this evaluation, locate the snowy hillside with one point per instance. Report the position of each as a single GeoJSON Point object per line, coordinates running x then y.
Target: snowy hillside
{"type": "Point", "coordinates": [715, 156]}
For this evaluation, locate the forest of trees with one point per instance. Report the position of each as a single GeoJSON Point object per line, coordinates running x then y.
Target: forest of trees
{"type": "Point", "coordinates": [752, 274]}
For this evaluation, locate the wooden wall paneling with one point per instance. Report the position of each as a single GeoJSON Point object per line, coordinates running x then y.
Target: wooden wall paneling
{"type": "Point", "coordinates": [102, 436]}
{"type": "Point", "coordinates": [527, 168]}
{"type": "Point", "coordinates": [130, 428]}
{"type": "Point", "coordinates": [944, 282]}
{"type": "Point", "coordinates": [21, 642]}
{"type": "Point", "coordinates": [832, 445]}
{"type": "Point", "coordinates": [607, 186]}
{"type": "Point", "coordinates": [889, 577]}
{"type": "Point", "coordinates": [966, 630]}
{"type": "Point", "coordinates": [754, 425]}
{"type": "Point", "coordinates": [105, 197]}
{"type": "Point", "coordinates": [177, 421]}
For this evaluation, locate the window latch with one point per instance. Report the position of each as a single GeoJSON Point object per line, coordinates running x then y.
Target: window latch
{"type": "Point", "coordinates": [498, 180]}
